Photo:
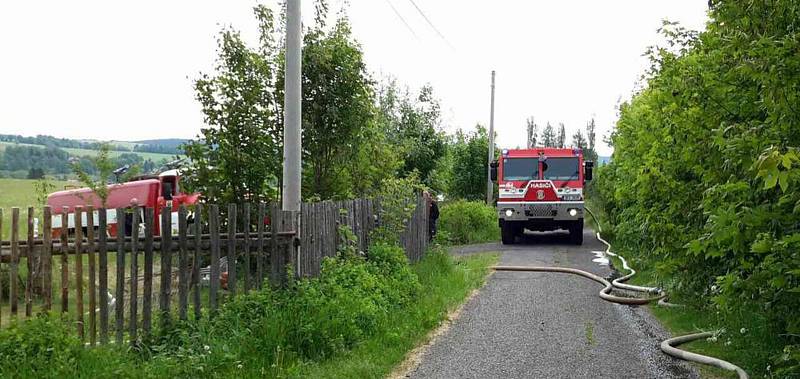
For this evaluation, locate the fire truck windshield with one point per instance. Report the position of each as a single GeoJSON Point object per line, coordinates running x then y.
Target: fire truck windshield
{"type": "Point", "coordinates": [561, 169]}
{"type": "Point", "coordinates": [519, 169]}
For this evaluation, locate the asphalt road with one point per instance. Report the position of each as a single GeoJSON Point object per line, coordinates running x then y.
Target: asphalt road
{"type": "Point", "coordinates": [549, 325]}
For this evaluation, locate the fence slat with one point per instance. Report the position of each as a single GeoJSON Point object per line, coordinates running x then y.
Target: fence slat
{"type": "Point", "coordinates": [47, 258]}
{"type": "Point", "coordinates": [1, 266]}
{"type": "Point", "coordinates": [147, 297]}
{"type": "Point", "coordinates": [79, 271]}
{"type": "Point", "coordinates": [92, 275]}
{"type": "Point", "coordinates": [232, 250]}
{"type": "Point", "coordinates": [120, 288]}
{"type": "Point", "coordinates": [213, 225]}
{"type": "Point", "coordinates": [103, 274]}
{"type": "Point", "coordinates": [166, 263]}
{"type": "Point", "coordinates": [260, 253]}
{"type": "Point", "coordinates": [274, 255]}
{"type": "Point", "coordinates": [246, 231]}
{"type": "Point", "coordinates": [183, 264]}
{"type": "Point", "coordinates": [29, 260]}
{"type": "Point", "coordinates": [13, 283]}
{"type": "Point", "coordinates": [198, 237]}
{"type": "Point", "coordinates": [133, 319]}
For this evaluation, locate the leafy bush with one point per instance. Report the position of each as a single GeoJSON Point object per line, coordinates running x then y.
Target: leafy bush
{"type": "Point", "coordinates": [463, 222]}
{"type": "Point", "coordinates": [42, 339]}
{"type": "Point", "coordinates": [703, 184]}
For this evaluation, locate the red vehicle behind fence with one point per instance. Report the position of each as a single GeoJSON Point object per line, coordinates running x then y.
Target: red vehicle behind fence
{"type": "Point", "coordinates": [154, 191]}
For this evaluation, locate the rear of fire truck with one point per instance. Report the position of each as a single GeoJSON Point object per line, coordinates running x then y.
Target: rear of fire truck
{"type": "Point", "coordinates": [541, 189]}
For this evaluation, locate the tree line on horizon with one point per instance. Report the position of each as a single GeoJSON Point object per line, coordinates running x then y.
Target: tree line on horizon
{"type": "Point", "coordinates": [550, 137]}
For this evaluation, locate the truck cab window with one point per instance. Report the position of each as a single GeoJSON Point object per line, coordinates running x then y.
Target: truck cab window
{"type": "Point", "coordinates": [561, 169]}
{"type": "Point", "coordinates": [520, 169]}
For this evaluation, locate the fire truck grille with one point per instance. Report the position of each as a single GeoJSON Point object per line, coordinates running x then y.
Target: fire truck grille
{"type": "Point", "coordinates": [541, 210]}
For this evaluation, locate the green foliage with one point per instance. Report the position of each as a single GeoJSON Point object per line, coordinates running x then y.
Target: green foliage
{"type": "Point", "coordinates": [104, 167]}
{"type": "Point", "coordinates": [469, 175]}
{"type": "Point", "coordinates": [465, 222]}
{"type": "Point", "coordinates": [548, 136]}
{"type": "Point", "coordinates": [397, 198]}
{"type": "Point", "coordinates": [703, 181]}
{"type": "Point", "coordinates": [338, 108]}
{"type": "Point", "coordinates": [237, 158]}
{"type": "Point", "coordinates": [44, 346]}
{"type": "Point", "coordinates": [413, 125]}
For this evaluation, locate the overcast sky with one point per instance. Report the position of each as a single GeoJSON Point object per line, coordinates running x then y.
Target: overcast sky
{"type": "Point", "coordinates": [124, 70]}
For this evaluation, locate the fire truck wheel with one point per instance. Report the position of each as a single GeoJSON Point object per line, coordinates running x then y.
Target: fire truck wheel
{"type": "Point", "coordinates": [508, 234]}
{"type": "Point", "coordinates": [576, 233]}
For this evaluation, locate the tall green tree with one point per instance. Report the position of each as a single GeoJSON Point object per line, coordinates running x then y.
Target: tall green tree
{"type": "Point", "coordinates": [548, 136]}
{"type": "Point", "coordinates": [533, 131]}
{"type": "Point", "coordinates": [237, 157]}
{"type": "Point", "coordinates": [469, 164]}
{"type": "Point", "coordinates": [578, 140]}
{"type": "Point", "coordinates": [413, 124]}
{"type": "Point", "coordinates": [338, 108]}
{"type": "Point", "coordinates": [561, 140]}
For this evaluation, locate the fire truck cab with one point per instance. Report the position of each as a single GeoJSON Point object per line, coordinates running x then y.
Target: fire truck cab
{"type": "Point", "coordinates": [541, 189]}
{"type": "Point", "coordinates": [150, 191]}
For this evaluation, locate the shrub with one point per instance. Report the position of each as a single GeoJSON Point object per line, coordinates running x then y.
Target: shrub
{"type": "Point", "coordinates": [41, 340]}
{"type": "Point", "coordinates": [464, 222]}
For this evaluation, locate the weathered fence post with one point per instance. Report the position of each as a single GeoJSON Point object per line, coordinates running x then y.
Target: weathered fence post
{"type": "Point", "coordinates": [120, 289]}
{"type": "Point", "coordinates": [213, 224]}
{"type": "Point", "coordinates": [64, 262]}
{"type": "Point", "coordinates": [183, 263]}
{"type": "Point", "coordinates": [166, 263]}
{"type": "Point", "coordinates": [92, 274]}
{"type": "Point", "coordinates": [13, 283]}
{"type": "Point", "coordinates": [147, 298]}
{"type": "Point", "coordinates": [1, 265]}
{"type": "Point", "coordinates": [232, 250]}
{"type": "Point", "coordinates": [198, 239]}
{"type": "Point", "coordinates": [79, 271]}
{"type": "Point", "coordinates": [260, 255]}
{"type": "Point", "coordinates": [133, 319]}
{"type": "Point", "coordinates": [246, 231]}
{"type": "Point", "coordinates": [102, 228]}
{"type": "Point", "coordinates": [32, 271]}
{"type": "Point", "coordinates": [47, 260]}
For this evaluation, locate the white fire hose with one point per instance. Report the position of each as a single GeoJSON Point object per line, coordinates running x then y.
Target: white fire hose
{"type": "Point", "coordinates": [667, 346]}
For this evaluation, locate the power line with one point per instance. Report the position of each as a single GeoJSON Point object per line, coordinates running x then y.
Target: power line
{"type": "Point", "coordinates": [431, 24]}
{"type": "Point", "coordinates": [402, 19]}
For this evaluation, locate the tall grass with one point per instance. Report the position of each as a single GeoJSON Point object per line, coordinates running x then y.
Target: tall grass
{"type": "Point", "coordinates": [359, 318]}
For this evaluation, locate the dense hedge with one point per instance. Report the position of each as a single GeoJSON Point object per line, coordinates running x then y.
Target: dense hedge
{"type": "Point", "coordinates": [705, 172]}
{"type": "Point", "coordinates": [463, 222]}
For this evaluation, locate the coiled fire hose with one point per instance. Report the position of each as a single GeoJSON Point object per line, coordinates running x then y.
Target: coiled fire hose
{"type": "Point", "coordinates": [667, 346]}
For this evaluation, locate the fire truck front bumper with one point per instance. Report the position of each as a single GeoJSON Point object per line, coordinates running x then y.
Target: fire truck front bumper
{"type": "Point", "coordinates": [540, 210]}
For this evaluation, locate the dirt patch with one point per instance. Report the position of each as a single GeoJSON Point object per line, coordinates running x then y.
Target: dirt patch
{"type": "Point", "coordinates": [414, 357]}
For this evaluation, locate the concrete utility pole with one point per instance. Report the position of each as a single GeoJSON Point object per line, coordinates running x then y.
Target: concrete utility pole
{"type": "Point", "coordinates": [292, 129]}
{"type": "Point", "coordinates": [489, 184]}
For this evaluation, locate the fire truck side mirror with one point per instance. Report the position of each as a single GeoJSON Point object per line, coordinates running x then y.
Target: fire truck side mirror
{"type": "Point", "coordinates": [166, 191]}
{"type": "Point", "coordinates": [493, 170]}
{"type": "Point", "coordinates": [588, 170]}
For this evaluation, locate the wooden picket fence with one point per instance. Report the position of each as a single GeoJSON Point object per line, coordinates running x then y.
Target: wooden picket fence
{"type": "Point", "coordinates": [213, 256]}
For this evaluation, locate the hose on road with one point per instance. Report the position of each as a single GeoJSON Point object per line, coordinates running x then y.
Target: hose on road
{"type": "Point", "coordinates": [667, 346]}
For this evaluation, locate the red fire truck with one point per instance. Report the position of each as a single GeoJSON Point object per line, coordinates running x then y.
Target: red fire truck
{"type": "Point", "coordinates": [151, 191]}
{"type": "Point", "coordinates": [541, 189]}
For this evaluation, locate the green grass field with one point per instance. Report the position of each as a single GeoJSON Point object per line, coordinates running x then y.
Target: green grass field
{"type": "Point", "coordinates": [21, 193]}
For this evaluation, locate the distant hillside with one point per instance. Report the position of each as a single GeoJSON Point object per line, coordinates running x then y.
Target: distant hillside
{"type": "Point", "coordinates": [22, 157]}
{"type": "Point", "coordinates": [166, 142]}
